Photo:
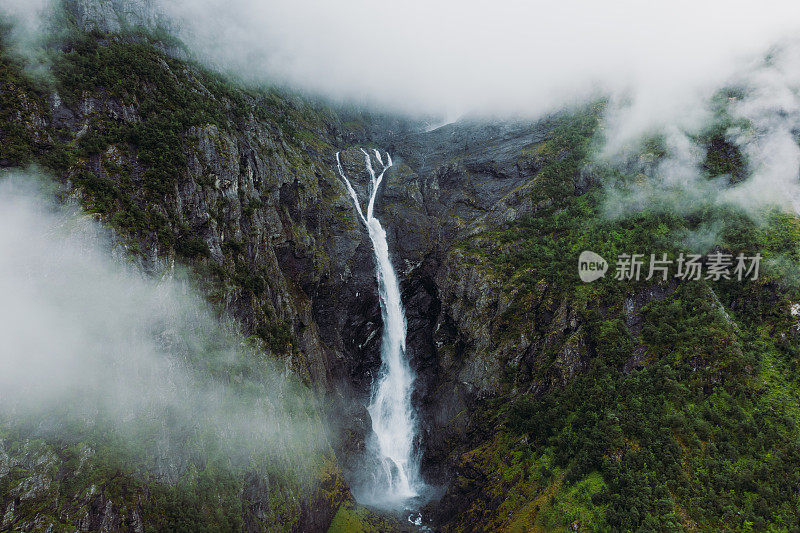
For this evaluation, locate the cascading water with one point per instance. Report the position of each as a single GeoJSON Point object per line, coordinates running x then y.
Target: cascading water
{"type": "Point", "coordinates": [393, 421]}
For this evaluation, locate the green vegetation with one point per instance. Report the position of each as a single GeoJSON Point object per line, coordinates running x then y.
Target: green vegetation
{"type": "Point", "coordinates": [168, 102]}
{"type": "Point", "coordinates": [722, 156]}
{"type": "Point", "coordinates": [141, 109]}
{"type": "Point", "coordinates": [699, 430]}
{"type": "Point", "coordinates": [21, 108]}
{"type": "Point", "coordinates": [685, 415]}
{"type": "Point", "coordinates": [351, 518]}
{"type": "Point", "coordinates": [694, 438]}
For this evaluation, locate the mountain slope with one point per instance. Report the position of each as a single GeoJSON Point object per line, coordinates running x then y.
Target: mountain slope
{"type": "Point", "coordinates": [630, 405]}
{"type": "Point", "coordinates": [545, 403]}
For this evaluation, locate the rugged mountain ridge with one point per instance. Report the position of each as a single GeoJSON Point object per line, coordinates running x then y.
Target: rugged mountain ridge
{"type": "Point", "coordinates": [255, 208]}
{"type": "Point", "coordinates": [543, 403]}
{"type": "Point", "coordinates": [231, 194]}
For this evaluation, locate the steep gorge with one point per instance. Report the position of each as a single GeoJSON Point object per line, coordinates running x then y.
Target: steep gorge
{"type": "Point", "coordinates": [246, 194]}
{"type": "Point", "coordinates": [529, 387]}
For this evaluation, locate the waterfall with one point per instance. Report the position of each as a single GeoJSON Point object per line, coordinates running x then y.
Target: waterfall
{"type": "Point", "coordinates": [393, 421]}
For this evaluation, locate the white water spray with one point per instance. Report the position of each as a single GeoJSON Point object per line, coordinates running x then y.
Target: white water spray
{"type": "Point", "coordinates": [390, 407]}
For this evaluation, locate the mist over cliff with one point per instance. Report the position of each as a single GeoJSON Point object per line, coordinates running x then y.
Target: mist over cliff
{"type": "Point", "coordinates": [661, 68]}
{"type": "Point", "coordinates": [505, 57]}
{"type": "Point", "coordinates": [94, 346]}
{"type": "Point", "coordinates": [195, 324]}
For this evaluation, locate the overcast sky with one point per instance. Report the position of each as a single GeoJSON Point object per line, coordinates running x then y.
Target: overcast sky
{"type": "Point", "coordinates": [451, 57]}
{"type": "Point", "coordinates": [466, 55]}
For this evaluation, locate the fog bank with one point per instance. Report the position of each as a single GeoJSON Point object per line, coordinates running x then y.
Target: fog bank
{"type": "Point", "coordinates": [91, 345]}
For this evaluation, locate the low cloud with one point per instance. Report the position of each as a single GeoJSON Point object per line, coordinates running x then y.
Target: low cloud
{"type": "Point", "coordinates": [659, 65]}
{"type": "Point", "coordinates": [508, 56]}
{"type": "Point", "coordinates": [444, 57]}
{"type": "Point", "coordinates": [90, 344]}
{"type": "Point", "coordinates": [763, 122]}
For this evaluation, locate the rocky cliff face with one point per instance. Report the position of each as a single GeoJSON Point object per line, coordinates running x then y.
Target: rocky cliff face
{"type": "Point", "coordinates": [114, 16]}
{"type": "Point", "coordinates": [484, 223]}
{"type": "Point", "coordinates": [452, 185]}
{"type": "Point", "coordinates": [241, 187]}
